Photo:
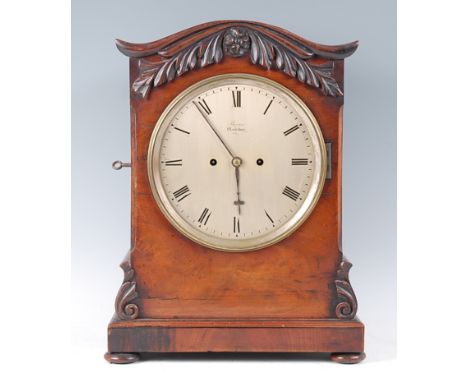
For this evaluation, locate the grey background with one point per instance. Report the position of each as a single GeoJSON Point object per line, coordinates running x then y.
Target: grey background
{"type": "Point", "coordinates": [101, 134]}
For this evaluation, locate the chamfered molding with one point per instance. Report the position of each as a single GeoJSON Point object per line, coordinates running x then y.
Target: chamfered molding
{"type": "Point", "coordinates": [267, 46]}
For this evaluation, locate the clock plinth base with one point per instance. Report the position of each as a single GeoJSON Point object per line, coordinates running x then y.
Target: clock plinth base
{"type": "Point", "coordinates": [348, 358]}
{"type": "Point", "coordinates": [121, 358]}
{"type": "Point", "coordinates": [343, 338]}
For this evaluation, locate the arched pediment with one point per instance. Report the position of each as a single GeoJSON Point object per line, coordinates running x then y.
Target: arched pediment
{"type": "Point", "coordinates": [268, 46]}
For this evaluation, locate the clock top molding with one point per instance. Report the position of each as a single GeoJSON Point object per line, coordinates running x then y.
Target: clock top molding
{"type": "Point", "coordinates": [270, 47]}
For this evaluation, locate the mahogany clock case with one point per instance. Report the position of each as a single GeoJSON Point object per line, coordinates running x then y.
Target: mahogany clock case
{"type": "Point", "coordinates": [178, 296]}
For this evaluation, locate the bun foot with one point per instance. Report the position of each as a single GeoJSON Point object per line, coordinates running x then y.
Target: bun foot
{"type": "Point", "coordinates": [348, 358]}
{"type": "Point", "coordinates": [121, 357]}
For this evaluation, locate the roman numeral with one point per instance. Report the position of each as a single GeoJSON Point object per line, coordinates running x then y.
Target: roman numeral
{"type": "Point", "coordinates": [236, 98]}
{"type": "Point", "coordinates": [291, 130]}
{"type": "Point", "coordinates": [205, 106]}
{"type": "Point", "coordinates": [175, 162]}
{"type": "Point", "coordinates": [181, 193]}
{"type": "Point", "coordinates": [236, 225]}
{"type": "Point", "coordinates": [204, 216]}
{"type": "Point", "coordinates": [299, 161]}
{"type": "Point", "coordinates": [290, 193]}
{"type": "Point", "coordinates": [181, 130]}
{"type": "Point", "coordinates": [269, 218]}
{"type": "Point", "coordinates": [267, 107]}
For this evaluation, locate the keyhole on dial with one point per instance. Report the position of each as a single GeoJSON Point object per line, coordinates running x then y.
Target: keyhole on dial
{"type": "Point", "coordinates": [213, 162]}
{"type": "Point", "coordinates": [260, 161]}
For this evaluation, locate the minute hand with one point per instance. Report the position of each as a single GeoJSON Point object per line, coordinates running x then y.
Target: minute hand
{"type": "Point", "coordinates": [213, 128]}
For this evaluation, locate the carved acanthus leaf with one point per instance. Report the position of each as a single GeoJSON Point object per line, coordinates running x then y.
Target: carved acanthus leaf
{"type": "Point", "coordinates": [125, 308]}
{"type": "Point", "coordinates": [269, 50]}
{"type": "Point", "coordinates": [346, 306]}
{"type": "Point", "coordinates": [271, 54]}
{"type": "Point", "coordinates": [203, 53]}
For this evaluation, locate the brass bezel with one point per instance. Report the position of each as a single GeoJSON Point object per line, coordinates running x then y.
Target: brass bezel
{"type": "Point", "coordinates": [200, 237]}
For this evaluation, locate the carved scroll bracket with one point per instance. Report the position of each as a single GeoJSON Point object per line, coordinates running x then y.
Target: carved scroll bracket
{"type": "Point", "coordinates": [125, 308]}
{"type": "Point", "coordinates": [346, 306]}
{"type": "Point", "coordinates": [270, 47]}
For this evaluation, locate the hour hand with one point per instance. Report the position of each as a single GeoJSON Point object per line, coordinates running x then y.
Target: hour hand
{"type": "Point", "coordinates": [236, 162]}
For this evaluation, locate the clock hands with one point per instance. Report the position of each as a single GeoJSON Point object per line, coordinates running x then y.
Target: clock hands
{"type": "Point", "coordinates": [236, 161]}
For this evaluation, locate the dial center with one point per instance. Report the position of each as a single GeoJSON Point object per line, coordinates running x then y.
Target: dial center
{"type": "Point", "coordinates": [236, 161]}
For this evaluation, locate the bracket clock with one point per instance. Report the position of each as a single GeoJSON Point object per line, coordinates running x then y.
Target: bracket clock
{"type": "Point", "coordinates": [236, 149]}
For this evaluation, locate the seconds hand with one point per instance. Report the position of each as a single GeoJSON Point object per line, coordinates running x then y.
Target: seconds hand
{"type": "Point", "coordinates": [236, 161]}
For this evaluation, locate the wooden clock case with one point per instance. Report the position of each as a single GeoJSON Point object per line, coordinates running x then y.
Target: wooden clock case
{"type": "Point", "coordinates": [178, 296]}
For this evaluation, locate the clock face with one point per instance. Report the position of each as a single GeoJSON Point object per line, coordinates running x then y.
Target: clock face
{"type": "Point", "coordinates": [236, 162]}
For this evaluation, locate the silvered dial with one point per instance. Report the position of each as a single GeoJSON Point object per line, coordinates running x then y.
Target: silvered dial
{"type": "Point", "coordinates": [236, 162]}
